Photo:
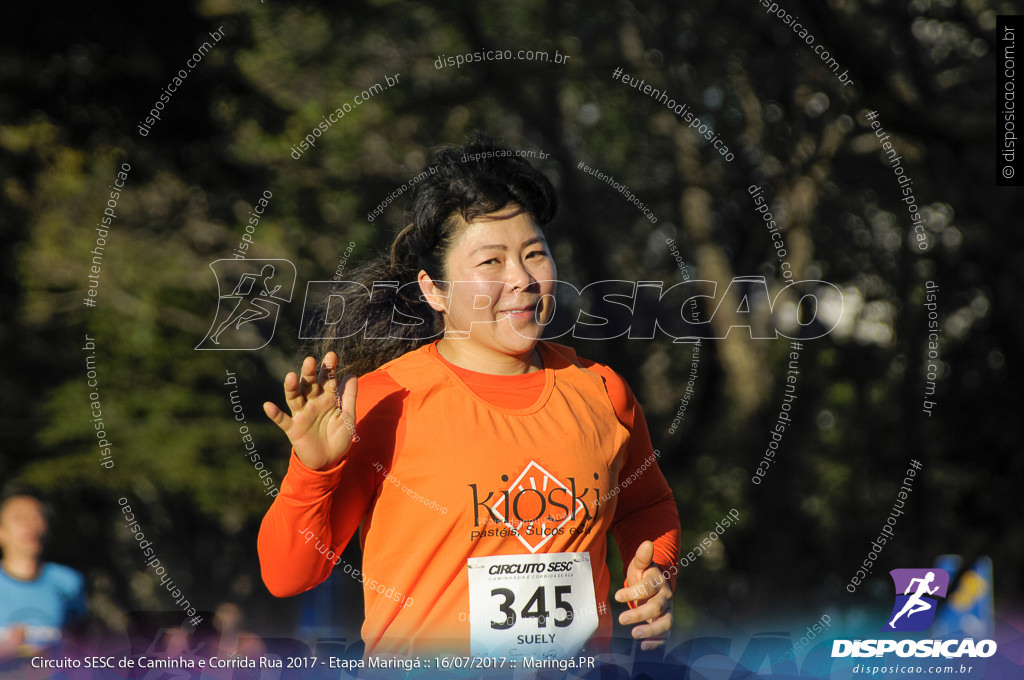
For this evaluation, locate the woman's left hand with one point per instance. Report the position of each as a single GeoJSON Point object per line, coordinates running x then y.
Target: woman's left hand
{"type": "Point", "coordinates": [649, 590]}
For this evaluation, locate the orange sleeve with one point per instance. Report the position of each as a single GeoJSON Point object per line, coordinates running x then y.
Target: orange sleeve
{"type": "Point", "coordinates": [313, 518]}
{"type": "Point", "coordinates": [646, 509]}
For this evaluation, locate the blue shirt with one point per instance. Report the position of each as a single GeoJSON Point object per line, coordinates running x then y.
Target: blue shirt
{"type": "Point", "coordinates": [44, 605]}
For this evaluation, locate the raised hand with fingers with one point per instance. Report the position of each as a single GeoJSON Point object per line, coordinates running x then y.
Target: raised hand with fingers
{"type": "Point", "coordinates": [321, 426]}
{"type": "Point", "coordinates": [647, 587]}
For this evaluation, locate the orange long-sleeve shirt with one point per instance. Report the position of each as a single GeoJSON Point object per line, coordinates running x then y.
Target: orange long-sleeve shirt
{"type": "Point", "coordinates": [452, 465]}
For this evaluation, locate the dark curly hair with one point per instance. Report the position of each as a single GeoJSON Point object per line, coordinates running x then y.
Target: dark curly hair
{"type": "Point", "coordinates": [384, 314]}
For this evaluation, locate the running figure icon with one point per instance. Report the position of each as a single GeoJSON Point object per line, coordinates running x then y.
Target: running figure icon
{"type": "Point", "coordinates": [247, 315]}
{"type": "Point", "coordinates": [915, 604]}
{"type": "Point", "coordinates": [249, 309]}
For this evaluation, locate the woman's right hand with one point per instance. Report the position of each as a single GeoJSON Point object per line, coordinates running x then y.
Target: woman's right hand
{"type": "Point", "coordinates": [320, 432]}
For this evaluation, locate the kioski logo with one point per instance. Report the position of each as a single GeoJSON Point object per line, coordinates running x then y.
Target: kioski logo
{"type": "Point", "coordinates": [528, 506]}
{"type": "Point", "coordinates": [914, 609]}
{"type": "Point", "coordinates": [247, 315]}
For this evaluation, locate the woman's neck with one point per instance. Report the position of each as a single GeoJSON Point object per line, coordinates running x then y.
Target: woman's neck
{"type": "Point", "coordinates": [465, 354]}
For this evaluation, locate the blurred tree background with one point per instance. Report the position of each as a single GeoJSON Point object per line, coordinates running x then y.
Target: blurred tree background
{"type": "Point", "coordinates": [76, 85]}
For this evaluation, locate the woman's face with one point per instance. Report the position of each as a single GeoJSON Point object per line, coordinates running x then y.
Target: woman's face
{"type": "Point", "coordinates": [501, 283]}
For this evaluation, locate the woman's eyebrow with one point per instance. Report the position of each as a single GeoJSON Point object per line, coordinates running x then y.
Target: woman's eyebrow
{"type": "Point", "coordinates": [489, 247]}
{"type": "Point", "coordinates": [501, 246]}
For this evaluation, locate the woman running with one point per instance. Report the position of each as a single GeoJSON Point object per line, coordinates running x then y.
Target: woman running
{"type": "Point", "coordinates": [483, 467]}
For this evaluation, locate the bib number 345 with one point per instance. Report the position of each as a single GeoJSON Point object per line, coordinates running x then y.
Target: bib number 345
{"type": "Point", "coordinates": [531, 605]}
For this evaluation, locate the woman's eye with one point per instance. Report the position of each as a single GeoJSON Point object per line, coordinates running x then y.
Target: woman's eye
{"type": "Point", "coordinates": [493, 260]}
{"type": "Point", "coordinates": [536, 252]}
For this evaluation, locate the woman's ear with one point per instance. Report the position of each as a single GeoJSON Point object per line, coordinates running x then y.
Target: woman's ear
{"type": "Point", "coordinates": [435, 296]}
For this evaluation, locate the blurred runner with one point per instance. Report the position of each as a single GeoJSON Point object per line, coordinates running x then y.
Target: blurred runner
{"type": "Point", "coordinates": [38, 600]}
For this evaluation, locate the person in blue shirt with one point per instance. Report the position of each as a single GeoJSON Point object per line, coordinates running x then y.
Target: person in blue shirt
{"type": "Point", "coordinates": [39, 601]}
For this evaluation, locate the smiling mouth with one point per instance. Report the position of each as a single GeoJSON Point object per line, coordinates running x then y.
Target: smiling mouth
{"type": "Point", "coordinates": [520, 312]}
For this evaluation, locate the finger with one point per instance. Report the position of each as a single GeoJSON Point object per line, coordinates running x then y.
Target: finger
{"type": "Point", "coordinates": [280, 418]}
{"type": "Point", "coordinates": [298, 389]}
{"type": "Point", "coordinates": [330, 373]}
{"type": "Point", "coordinates": [310, 378]}
{"type": "Point", "coordinates": [648, 586]}
{"type": "Point", "coordinates": [293, 395]}
{"type": "Point", "coordinates": [330, 361]}
{"type": "Point", "coordinates": [632, 593]}
{"type": "Point", "coordinates": [291, 386]}
{"type": "Point", "coordinates": [326, 375]}
{"type": "Point", "coordinates": [642, 560]}
{"type": "Point", "coordinates": [653, 629]}
{"type": "Point", "coordinates": [647, 611]}
{"type": "Point", "coordinates": [653, 643]}
{"type": "Point", "coordinates": [349, 389]}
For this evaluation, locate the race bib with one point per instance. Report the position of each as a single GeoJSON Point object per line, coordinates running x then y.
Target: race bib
{"type": "Point", "coordinates": [539, 606]}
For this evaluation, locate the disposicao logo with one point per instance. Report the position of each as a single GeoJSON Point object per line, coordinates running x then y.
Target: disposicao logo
{"type": "Point", "coordinates": [917, 593]}
{"type": "Point", "coordinates": [916, 611]}
{"type": "Point", "coordinates": [257, 288]}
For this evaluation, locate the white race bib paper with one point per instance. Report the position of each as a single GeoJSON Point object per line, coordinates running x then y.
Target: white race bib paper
{"type": "Point", "coordinates": [539, 606]}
